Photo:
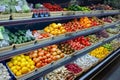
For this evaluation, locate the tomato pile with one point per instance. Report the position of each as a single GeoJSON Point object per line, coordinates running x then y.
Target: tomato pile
{"type": "Point", "coordinates": [46, 55]}
{"type": "Point", "coordinates": [53, 7]}
{"type": "Point", "coordinates": [79, 43]}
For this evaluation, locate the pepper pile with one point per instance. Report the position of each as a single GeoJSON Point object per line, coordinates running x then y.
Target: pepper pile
{"type": "Point", "coordinates": [100, 52]}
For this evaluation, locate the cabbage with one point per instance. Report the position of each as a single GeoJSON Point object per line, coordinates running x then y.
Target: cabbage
{"type": "Point", "coordinates": [25, 8]}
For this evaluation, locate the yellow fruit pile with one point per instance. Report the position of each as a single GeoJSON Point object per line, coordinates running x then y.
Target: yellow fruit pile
{"type": "Point", "coordinates": [55, 29]}
{"type": "Point", "coordinates": [100, 52]}
{"type": "Point", "coordinates": [21, 64]}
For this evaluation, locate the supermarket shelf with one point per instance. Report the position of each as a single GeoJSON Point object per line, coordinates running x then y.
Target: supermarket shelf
{"type": "Point", "coordinates": [53, 40]}
{"type": "Point", "coordinates": [109, 58]}
{"type": "Point", "coordinates": [55, 65]}
{"type": "Point", "coordinates": [46, 19]}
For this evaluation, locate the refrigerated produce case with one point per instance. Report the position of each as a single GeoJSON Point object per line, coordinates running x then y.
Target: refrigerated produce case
{"type": "Point", "coordinates": [33, 24]}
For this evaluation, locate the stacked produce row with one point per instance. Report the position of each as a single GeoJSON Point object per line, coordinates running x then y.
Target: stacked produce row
{"type": "Point", "coordinates": [26, 63]}
{"type": "Point", "coordinates": [20, 38]}
{"type": "Point", "coordinates": [81, 65]}
{"type": "Point", "coordinates": [21, 9]}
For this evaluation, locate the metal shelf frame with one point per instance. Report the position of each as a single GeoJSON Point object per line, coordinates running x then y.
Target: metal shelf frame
{"type": "Point", "coordinates": [65, 60]}
{"type": "Point", "coordinates": [47, 19]}
{"type": "Point", "coordinates": [54, 40]}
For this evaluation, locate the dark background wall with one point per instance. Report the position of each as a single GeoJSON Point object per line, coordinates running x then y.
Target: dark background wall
{"type": "Point", "coordinates": [64, 2]}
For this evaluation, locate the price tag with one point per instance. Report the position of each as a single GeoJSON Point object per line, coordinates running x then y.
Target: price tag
{"type": "Point", "coordinates": [18, 8]}
{"type": "Point", "coordinates": [2, 8]}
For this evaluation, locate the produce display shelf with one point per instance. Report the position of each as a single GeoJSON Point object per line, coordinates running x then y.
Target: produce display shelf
{"type": "Point", "coordinates": [109, 58]}
{"type": "Point", "coordinates": [55, 65]}
{"type": "Point", "coordinates": [53, 40]}
{"type": "Point", "coordinates": [46, 19]}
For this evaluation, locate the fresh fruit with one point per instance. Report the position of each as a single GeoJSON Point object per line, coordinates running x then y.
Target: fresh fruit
{"type": "Point", "coordinates": [55, 29]}
{"type": "Point", "coordinates": [21, 64]}
{"type": "Point", "coordinates": [85, 22]}
{"type": "Point", "coordinates": [79, 43]}
{"type": "Point", "coordinates": [46, 55]}
{"type": "Point", "coordinates": [54, 7]}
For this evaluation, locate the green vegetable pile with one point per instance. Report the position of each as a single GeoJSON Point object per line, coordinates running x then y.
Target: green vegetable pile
{"type": "Point", "coordinates": [78, 8]}
{"type": "Point", "coordinates": [19, 37]}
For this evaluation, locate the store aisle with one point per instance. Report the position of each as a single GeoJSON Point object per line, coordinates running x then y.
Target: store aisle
{"type": "Point", "coordinates": [112, 72]}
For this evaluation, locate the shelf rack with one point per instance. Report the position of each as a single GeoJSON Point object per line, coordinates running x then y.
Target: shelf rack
{"type": "Point", "coordinates": [65, 17]}
{"type": "Point", "coordinates": [54, 40]}
{"type": "Point", "coordinates": [55, 65]}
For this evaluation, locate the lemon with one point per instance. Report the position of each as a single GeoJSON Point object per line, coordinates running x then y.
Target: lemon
{"type": "Point", "coordinates": [24, 70]}
{"type": "Point", "coordinates": [18, 58]}
{"type": "Point", "coordinates": [13, 68]}
{"type": "Point", "coordinates": [23, 64]}
{"type": "Point", "coordinates": [10, 64]}
{"type": "Point", "coordinates": [32, 67]}
{"type": "Point", "coordinates": [18, 68]}
{"type": "Point", "coordinates": [14, 71]}
{"type": "Point", "coordinates": [53, 24]}
{"type": "Point", "coordinates": [22, 55]}
{"type": "Point", "coordinates": [15, 62]}
{"type": "Point", "coordinates": [18, 63]}
{"type": "Point", "coordinates": [18, 73]}
{"type": "Point", "coordinates": [27, 58]}
{"type": "Point", "coordinates": [31, 63]}
{"type": "Point", "coordinates": [23, 60]}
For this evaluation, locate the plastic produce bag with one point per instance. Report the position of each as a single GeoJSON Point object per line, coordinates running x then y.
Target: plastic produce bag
{"type": "Point", "coordinates": [29, 33]}
{"type": "Point", "coordinates": [4, 43]}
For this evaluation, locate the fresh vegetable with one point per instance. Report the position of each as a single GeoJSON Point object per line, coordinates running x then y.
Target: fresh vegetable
{"type": "Point", "coordinates": [65, 48]}
{"type": "Point", "coordinates": [100, 52]}
{"type": "Point", "coordinates": [79, 43]}
{"type": "Point", "coordinates": [73, 68]}
{"type": "Point", "coordinates": [4, 74]}
{"type": "Point", "coordinates": [61, 74]}
{"type": "Point", "coordinates": [54, 7]}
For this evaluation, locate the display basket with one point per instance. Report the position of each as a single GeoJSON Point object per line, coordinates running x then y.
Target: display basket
{"type": "Point", "coordinates": [19, 77]}
{"type": "Point", "coordinates": [44, 39]}
{"type": "Point", "coordinates": [56, 13]}
{"type": "Point", "coordinates": [77, 75]}
{"type": "Point", "coordinates": [4, 16]}
{"type": "Point", "coordinates": [111, 11]}
{"type": "Point", "coordinates": [7, 48]}
{"type": "Point", "coordinates": [68, 13]}
{"type": "Point", "coordinates": [22, 15]}
{"type": "Point", "coordinates": [25, 44]}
